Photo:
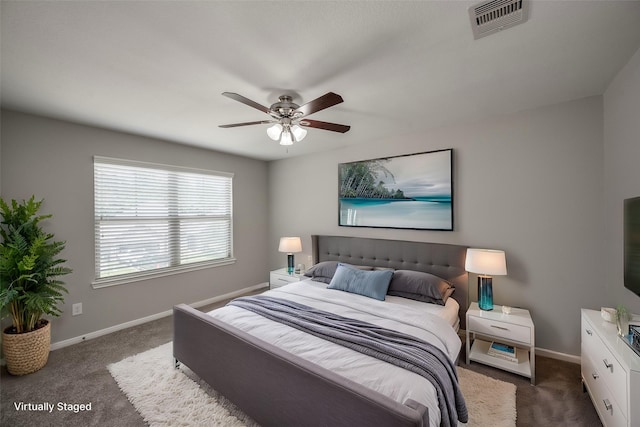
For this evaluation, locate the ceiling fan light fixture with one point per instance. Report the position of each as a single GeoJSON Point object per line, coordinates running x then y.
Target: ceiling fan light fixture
{"type": "Point", "coordinates": [286, 116]}
{"type": "Point", "coordinates": [298, 132]}
{"type": "Point", "coordinates": [275, 131]}
{"type": "Point", "coordinates": [286, 138]}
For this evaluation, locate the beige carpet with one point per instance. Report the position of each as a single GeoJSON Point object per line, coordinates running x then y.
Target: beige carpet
{"type": "Point", "coordinates": [176, 397]}
{"type": "Point", "coordinates": [490, 402]}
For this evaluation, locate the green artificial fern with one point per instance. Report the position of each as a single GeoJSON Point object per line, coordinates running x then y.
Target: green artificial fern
{"type": "Point", "coordinates": [29, 266]}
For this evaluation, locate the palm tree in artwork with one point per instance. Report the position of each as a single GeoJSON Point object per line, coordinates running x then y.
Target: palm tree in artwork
{"type": "Point", "coordinates": [357, 180]}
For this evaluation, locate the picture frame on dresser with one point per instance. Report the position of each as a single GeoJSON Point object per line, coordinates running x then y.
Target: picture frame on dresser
{"type": "Point", "coordinates": [634, 321]}
{"type": "Point", "coordinates": [633, 339]}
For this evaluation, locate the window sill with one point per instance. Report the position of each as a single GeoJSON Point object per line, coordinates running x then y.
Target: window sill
{"type": "Point", "coordinates": [131, 278]}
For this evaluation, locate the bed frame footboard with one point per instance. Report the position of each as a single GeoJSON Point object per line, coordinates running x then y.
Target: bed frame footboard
{"type": "Point", "coordinates": [274, 387]}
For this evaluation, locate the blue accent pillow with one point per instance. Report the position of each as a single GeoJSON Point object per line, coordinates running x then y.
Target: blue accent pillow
{"type": "Point", "coordinates": [372, 284]}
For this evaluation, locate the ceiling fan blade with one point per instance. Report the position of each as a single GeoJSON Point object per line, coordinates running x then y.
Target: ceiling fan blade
{"type": "Point", "coordinates": [324, 125]}
{"type": "Point", "coordinates": [325, 101]}
{"type": "Point", "coordinates": [235, 125]}
{"type": "Point", "coordinates": [246, 101]}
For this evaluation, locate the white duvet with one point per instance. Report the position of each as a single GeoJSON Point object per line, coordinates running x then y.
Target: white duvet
{"type": "Point", "coordinates": [395, 313]}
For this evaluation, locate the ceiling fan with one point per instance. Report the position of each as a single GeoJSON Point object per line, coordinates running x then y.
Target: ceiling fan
{"type": "Point", "coordinates": [289, 118]}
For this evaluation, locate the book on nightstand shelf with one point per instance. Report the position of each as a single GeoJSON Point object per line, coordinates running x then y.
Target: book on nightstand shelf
{"type": "Point", "coordinates": [503, 351]}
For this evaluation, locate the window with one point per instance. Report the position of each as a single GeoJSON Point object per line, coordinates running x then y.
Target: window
{"type": "Point", "coordinates": [153, 220]}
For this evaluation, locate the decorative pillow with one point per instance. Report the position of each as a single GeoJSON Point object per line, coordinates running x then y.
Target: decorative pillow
{"type": "Point", "coordinates": [324, 271]}
{"type": "Point", "coordinates": [420, 286]}
{"type": "Point", "coordinates": [372, 284]}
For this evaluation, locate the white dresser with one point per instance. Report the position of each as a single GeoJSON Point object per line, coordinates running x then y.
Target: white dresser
{"type": "Point", "coordinates": [610, 372]}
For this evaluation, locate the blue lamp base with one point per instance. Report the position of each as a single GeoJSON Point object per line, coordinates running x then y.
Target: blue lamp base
{"type": "Point", "coordinates": [485, 293]}
{"type": "Point", "coordinates": [290, 263]}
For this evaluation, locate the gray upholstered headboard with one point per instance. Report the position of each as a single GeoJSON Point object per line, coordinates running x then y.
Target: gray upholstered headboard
{"type": "Point", "coordinates": [442, 260]}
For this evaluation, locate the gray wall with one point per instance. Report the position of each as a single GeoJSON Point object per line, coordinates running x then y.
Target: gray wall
{"type": "Point", "coordinates": [621, 174]}
{"type": "Point", "coordinates": [545, 185]}
{"type": "Point", "coordinates": [529, 183]}
{"type": "Point", "coordinates": [53, 160]}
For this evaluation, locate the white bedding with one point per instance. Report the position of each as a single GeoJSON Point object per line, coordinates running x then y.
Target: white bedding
{"type": "Point", "coordinates": [426, 321]}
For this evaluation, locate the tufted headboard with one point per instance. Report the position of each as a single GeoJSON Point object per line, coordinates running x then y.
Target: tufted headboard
{"type": "Point", "coordinates": [442, 260]}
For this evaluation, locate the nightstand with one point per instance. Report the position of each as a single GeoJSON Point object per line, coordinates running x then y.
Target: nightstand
{"type": "Point", "coordinates": [280, 277]}
{"type": "Point", "coordinates": [515, 329]}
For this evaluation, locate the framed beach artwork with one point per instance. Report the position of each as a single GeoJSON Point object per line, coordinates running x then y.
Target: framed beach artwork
{"type": "Point", "coordinates": [411, 191]}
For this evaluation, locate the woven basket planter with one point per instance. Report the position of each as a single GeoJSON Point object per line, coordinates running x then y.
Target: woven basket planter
{"type": "Point", "coordinates": [28, 352]}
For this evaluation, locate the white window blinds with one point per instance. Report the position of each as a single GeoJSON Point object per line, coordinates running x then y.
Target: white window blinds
{"type": "Point", "coordinates": [152, 219]}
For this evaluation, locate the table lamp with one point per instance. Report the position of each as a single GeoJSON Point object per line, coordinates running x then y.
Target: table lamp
{"type": "Point", "coordinates": [290, 245]}
{"type": "Point", "coordinates": [486, 263]}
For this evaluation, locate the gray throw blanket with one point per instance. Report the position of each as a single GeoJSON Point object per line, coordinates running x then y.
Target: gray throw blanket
{"type": "Point", "coordinates": [394, 347]}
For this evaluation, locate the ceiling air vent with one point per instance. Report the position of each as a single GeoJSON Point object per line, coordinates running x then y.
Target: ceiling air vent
{"type": "Point", "coordinates": [496, 15]}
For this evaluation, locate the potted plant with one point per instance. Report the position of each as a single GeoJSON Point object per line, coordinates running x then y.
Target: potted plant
{"type": "Point", "coordinates": [622, 320]}
{"type": "Point", "coordinates": [29, 285]}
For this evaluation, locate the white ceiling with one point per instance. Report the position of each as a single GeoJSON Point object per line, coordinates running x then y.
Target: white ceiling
{"type": "Point", "coordinates": [158, 68]}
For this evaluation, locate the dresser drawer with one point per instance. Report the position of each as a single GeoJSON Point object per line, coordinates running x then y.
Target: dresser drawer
{"type": "Point", "coordinates": [499, 329]}
{"type": "Point", "coordinates": [610, 369]}
{"type": "Point", "coordinates": [276, 280]}
{"type": "Point", "coordinates": [608, 408]}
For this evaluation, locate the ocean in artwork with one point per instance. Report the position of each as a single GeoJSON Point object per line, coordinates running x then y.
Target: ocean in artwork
{"type": "Point", "coordinates": [421, 213]}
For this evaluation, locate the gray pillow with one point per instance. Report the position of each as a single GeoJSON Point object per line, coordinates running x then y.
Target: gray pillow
{"type": "Point", "coordinates": [420, 286]}
{"type": "Point", "coordinates": [372, 284]}
{"type": "Point", "coordinates": [324, 271]}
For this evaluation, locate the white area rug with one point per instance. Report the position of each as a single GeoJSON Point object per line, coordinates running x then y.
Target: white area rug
{"type": "Point", "coordinates": [165, 396]}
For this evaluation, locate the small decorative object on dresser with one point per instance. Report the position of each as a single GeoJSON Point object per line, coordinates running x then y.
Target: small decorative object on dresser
{"type": "Point", "coordinates": [515, 330]}
{"type": "Point", "coordinates": [610, 372]}
{"type": "Point", "coordinates": [622, 320]}
{"type": "Point", "coordinates": [282, 277]}
{"type": "Point", "coordinates": [608, 314]}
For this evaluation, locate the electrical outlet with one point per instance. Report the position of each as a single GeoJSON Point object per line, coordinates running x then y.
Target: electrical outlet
{"type": "Point", "coordinates": [76, 309]}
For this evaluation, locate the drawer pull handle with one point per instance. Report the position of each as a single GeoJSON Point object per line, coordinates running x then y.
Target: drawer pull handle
{"type": "Point", "coordinates": [589, 332]}
{"type": "Point", "coordinates": [499, 327]}
{"type": "Point", "coordinates": [595, 376]}
{"type": "Point", "coordinates": [607, 364]}
{"type": "Point", "coordinates": [607, 405]}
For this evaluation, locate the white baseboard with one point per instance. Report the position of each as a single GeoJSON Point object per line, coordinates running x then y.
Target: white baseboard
{"type": "Point", "coordinates": [539, 351]}
{"type": "Point", "coordinates": [557, 355]}
{"type": "Point", "coordinates": [91, 335]}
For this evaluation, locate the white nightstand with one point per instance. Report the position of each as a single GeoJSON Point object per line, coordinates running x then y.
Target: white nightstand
{"type": "Point", "coordinates": [516, 329]}
{"type": "Point", "coordinates": [280, 277]}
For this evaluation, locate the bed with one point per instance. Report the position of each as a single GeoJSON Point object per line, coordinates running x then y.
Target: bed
{"type": "Point", "coordinates": [320, 383]}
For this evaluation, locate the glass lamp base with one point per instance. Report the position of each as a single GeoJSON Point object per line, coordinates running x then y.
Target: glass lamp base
{"type": "Point", "coordinates": [485, 293]}
{"type": "Point", "coordinates": [290, 263]}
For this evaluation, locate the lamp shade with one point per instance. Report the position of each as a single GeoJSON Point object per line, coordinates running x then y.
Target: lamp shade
{"type": "Point", "coordinates": [290, 245]}
{"type": "Point", "coordinates": [285, 138]}
{"type": "Point", "coordinates": [275, 131]}
{"type": "Point", "coordinates": [486, 261]}
{"type": "Point", "coordinates": [298, 132]}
